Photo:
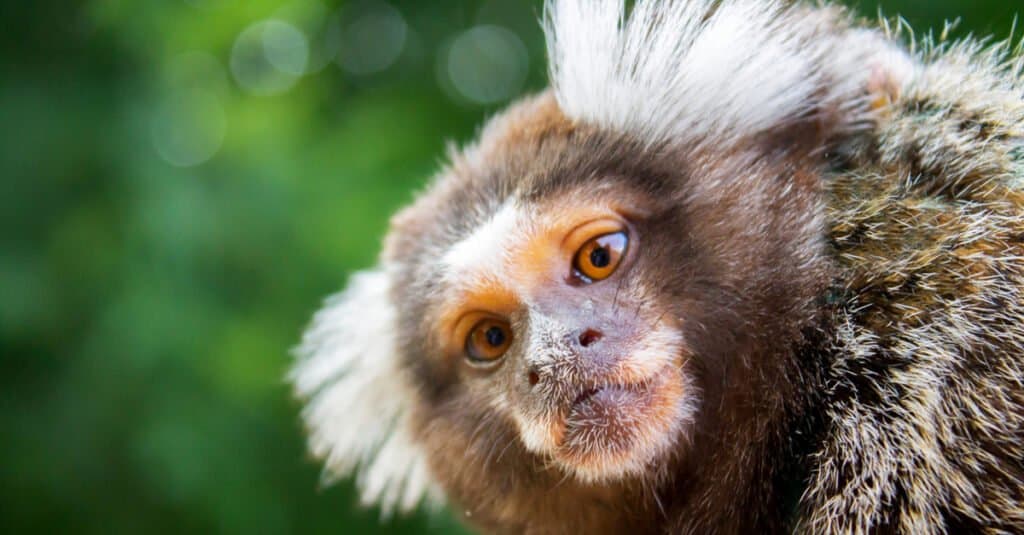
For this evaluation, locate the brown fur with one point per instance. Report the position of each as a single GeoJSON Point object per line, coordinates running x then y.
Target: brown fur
{"type": "Point", "coordinates": [743, 267]}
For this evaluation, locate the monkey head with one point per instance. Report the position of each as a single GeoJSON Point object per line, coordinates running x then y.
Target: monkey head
{"type": "Point", "coordinates": [548, 310]}
{"type": "Point", "coordinates": [589, 302]}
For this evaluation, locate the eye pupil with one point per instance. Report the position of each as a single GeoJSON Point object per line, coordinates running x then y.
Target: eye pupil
{"type": "Point", "coordinates": [488, 341]}
{"type": "Point", "coordinates": [600, 257]}
{"type": "Point", "coordinates": [495, 336]}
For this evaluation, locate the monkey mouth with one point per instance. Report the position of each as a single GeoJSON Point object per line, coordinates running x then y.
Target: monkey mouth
{"type": "Point", "coordinates": [614, 429]}
{"type": "Point", "coordinates": [587, 396]}
{"type": "Point", "coordinates": [603, 405]}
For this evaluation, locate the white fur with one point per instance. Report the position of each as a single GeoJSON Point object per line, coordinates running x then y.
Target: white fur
{"type": "Point", "coordinates": [359, 397]}
{"type": "Point", "coordinates": [670, 72]}
{"type": "Point", "coordinates": [486, 248]}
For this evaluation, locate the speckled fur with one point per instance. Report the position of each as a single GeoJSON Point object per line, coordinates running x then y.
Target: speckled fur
{"type": "Point", "coordinates": [924, 401]}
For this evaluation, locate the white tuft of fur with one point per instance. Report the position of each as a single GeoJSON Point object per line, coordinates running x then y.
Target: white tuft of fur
{"type": "Point", "coordinates": [700, 70]}
{"type": "Point", "coordinates": [359, 397]}
{"type": "Point", "coordinates": [485, 251]}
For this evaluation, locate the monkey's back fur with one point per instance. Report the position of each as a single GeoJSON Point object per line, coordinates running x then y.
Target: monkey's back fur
{"type": "Point", "coordinates": [923, 395]}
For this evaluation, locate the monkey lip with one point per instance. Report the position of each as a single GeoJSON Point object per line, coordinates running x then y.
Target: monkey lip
{"type": "Point", "coordinates": [614, 410]}
{"type": "Point", "coordinates": [588, 396]}
{"type": "Point", "coordinates": [585, 395]}
{"type": "Point", "coordinates": [613, 429]}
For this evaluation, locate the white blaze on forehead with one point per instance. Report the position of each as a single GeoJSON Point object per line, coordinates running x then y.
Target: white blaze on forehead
{"type": "Point", "coordinates": [482, 253]}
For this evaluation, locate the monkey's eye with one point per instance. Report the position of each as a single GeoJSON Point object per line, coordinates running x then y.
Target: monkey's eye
{"type": "Point", "coordinates": [488, 340]}
{"type": "Point", "coordinates": [600, 256]}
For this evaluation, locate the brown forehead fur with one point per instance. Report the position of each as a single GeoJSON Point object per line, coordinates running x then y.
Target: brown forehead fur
{"type": "Point", "coordinates": [527, 126]}
{"type": "Point", "coordinates": [741, 260]}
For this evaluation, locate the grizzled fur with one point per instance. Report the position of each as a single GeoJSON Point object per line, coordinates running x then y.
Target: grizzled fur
{"type": "Point", "coordinates": [846, 273]}
{"type": "Point", "coordinates": [924, 388]}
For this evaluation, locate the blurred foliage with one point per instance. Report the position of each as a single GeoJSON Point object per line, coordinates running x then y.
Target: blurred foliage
{"type": "Point", "coordinates": [179, 191]}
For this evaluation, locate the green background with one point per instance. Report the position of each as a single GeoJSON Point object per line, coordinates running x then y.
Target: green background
{"type": "Point", "coordinates": [176, 200]}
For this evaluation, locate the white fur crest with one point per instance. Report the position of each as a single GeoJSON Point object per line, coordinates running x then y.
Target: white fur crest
{"type": "Point", "coordinates": [694, 70]}
{"type": "Point", "coordinates": [358, 397]}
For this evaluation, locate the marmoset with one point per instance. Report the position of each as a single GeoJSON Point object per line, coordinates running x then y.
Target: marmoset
{"type": "Point", "coordinates": [747, 266]}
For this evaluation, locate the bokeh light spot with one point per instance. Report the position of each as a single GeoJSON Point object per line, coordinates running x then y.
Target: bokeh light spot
{"type": "Point", "coordinates": [486, 64]}
{"type": "Point", "coordinates": [320, 28]}
{"type": "Point", "coordinates": [269, 56]}
{"type": "Point", "coordinates": [285, 46]}
{"type": "Point", "coordinates": [373, 36]}
{"type": "Point", "coordinates": [188, 127]}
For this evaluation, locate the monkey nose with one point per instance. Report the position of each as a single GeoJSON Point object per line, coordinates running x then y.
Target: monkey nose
{"type": "Point", "coordinates": [575, 341]}
{"type": "Point", "coordinates": [589, 337]}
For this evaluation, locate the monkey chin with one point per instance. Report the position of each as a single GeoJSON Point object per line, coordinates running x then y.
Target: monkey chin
{"type": "Point", "coordinates": [617, 431]}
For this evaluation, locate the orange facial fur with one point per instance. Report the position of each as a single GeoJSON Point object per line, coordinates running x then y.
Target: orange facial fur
{"type": "Point", "coordinates": [521, 267]}
{"type": "Point", "coordinates": [523, 260]}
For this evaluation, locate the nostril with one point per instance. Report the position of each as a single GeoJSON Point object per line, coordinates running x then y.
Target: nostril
{"type": "Point", "coordinates": [589, 336]}
{"type": "Point", "coordinates": [533, 378]}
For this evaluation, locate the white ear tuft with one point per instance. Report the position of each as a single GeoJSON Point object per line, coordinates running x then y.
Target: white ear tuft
{"type": "Point", "coordinates": [701, 70]}
{"type": "Point", "coordinates": [359, 397]}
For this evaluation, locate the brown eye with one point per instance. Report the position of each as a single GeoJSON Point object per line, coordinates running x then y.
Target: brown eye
{"type": "Point", "coordinates": [599, 257]}
{"type": "Point", "coordinates": [488, 340]}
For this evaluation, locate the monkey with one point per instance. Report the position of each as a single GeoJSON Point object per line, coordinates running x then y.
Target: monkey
{"type": "Point", "coordinates": [745, 266]}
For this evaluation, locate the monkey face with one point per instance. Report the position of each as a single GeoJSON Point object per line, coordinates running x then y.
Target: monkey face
{"type": "Point", "coordinates": [567, 316]}
{"type": "Point", "coordinates": [543, 315]}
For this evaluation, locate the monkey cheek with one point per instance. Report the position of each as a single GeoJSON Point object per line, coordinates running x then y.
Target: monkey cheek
{"type": "Point", "coordinates": [618, 431]}
{"type": "Point", "coordinates": [540, 434]}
